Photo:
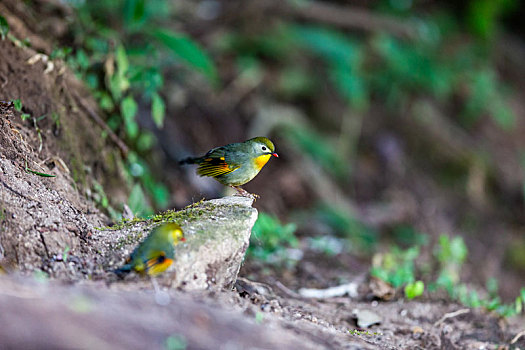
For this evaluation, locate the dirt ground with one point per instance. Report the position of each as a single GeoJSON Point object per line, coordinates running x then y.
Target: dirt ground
{"type": "Point", "coordinates": [123, 315]}
{"type": "Point", "coordinates": [45, 219]}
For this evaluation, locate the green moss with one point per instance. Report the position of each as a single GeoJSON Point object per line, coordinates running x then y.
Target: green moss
{"type": "Point", "coordinates": [361, 333]}
{"type": "Point", "coordinates": [128, 240]}
{"type": "Point", "coordinates": [190, 213]}
{"type": "Point", "coordinates": [121, 224]}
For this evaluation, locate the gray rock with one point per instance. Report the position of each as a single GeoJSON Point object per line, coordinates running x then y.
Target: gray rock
{"type": "Point", "coordinates": [366, 318]}
{"type": "Point", "coordinates": [216, 244]}
{"type": "Point", "coordinates": [217, 235]}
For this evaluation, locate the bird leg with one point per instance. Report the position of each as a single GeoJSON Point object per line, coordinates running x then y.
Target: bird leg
{"type": "Point", "coordinates": [245, 193]}
{"type": "Point", "coordinates": [161, 297]}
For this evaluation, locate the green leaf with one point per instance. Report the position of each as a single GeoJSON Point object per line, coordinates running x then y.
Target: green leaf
{"type": "Point", "coordinates": [82, 59]}
{"type": "Point", "coordinates": [446, 281]}
{"type": "Point", "coordinates": [158, 110]}
{"type": "Point", "coordinates": [379, 272]}
{"type": "Point", "coordinates": [106, 102]}
{"type": "Point", "coordinates": [188, 51]}
{"type": "Point", "coordinates": [502, 114]}
{"type": "Point", "coordinates": [134, 12]}
{"type": "Point", "coordinates": [332, 45]}
{"type": "Point", "coordinates": [351, 86]}
{"type": "Point", "coordinates": [117, 85]}
{"type": "Point", "coordinates": [145, 141]}
{"type": "Point", "coordinates": [4, 27]}
{"type": "Point", "coordinates": [132, 129]}
{"type": "Point", "coordinates": [413, 290]}
{"type": "Point", "coordinates": [18, 105]}
{"type": "Point", "coordinates": [122, 60]}
{"type": "Point", "coordinates": [91, 80]}
{"type": "Point", "coordinates": [37, 173]}
{"type": "Point", "coordinates": [161, 195]}
{"type": "Point", "coordinates": [147, 79]}
{"type": "Point", "coordinates": [518, 305]}
{"type": "Point", "coordinates": [473, 299]}
{"type": "Point", "coordinates": [492, 286]}
{"type": "Point", "coordinates": [60, 53]}
{"type": "Point", "coordinates": [458, 249]}
{"type": "Point", "coordinates": [137, 201]}
{"type": "Point", "coordinates": [129, 108]}
{"type": "Point", "coordinates": [65, 253]}
{"type": "Point", "coordinates": [97, 44]}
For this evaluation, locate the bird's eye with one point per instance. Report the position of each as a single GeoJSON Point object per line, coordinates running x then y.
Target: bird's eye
{"type": "Point", "coordinates": [264, 148]}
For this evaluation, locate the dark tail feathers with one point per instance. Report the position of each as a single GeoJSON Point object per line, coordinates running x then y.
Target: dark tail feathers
{"type": "Point", "coordinates": [123, 271]}
{"type": "Point", "coordinates": [189, 160]}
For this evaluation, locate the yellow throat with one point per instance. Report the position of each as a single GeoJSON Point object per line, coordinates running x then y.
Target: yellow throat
{"type": "Point", "coordinates": [261, 160]}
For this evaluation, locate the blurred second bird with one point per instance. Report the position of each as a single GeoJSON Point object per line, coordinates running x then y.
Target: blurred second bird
{"type": "Point", "coordinates": [156, 253]}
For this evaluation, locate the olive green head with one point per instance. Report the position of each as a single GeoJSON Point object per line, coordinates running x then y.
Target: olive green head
{"type": "Point", "coordinates": [175, 231]}
{"type": "Point", "coordinates": [169, 231]}
{"type": "Point", "coordinates": [260, 146]}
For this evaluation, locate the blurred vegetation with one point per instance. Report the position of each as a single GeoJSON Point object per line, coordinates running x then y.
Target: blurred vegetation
{"type": "Point", "coordinates": [4, 27]}
{"type": "Point", "coordinates": [271, 242]}
{"type": "Point", "coordinates": [398, 268]}
{"type": "Point", "coordinates": [441, 92]}
{"type": "Point", "coordinates": [122, 49]}
{"type": "Point", "coordinates": [361, 238]}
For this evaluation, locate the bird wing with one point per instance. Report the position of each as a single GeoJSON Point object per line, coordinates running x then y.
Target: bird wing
{"type": "Point", "coordinates": [158, 263]}
{"type": "Point", "coordinates": [215, 166]}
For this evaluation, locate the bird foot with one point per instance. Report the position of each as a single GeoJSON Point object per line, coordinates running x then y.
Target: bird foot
{"type": "Point", "coordinates": [245, 193]}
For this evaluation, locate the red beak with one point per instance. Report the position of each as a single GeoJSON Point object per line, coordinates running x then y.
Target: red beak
{"type": "Point", "coordinates": [183, 239]}
{"type": "Point", "coordinates": [275, 155]}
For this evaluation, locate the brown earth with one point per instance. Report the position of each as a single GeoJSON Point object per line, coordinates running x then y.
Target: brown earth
{"type": "Point", "coordinates": [44, 216]}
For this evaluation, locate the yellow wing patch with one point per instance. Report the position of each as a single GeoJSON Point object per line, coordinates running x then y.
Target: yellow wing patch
{"type": "Point", "coordinates": [215, 167]}
{"type": "Point", "coordinates": [155, 266]}
{"type": "Point", "coordinates": [262, 160]}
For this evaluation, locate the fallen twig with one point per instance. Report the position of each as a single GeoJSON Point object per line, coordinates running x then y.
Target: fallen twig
{"type": "Point", "coordinates": [288, 291]}
{"type": "Point", "coordinates": [123, 148]}
{"type": "Point", "coordinates": [451, 315]}
{"type": "Point", "coordinates": [338, 291]}
{"type": "Point", "coordinates": [251, 287]}
{"type": "Point", "coordinates": [517, 337]}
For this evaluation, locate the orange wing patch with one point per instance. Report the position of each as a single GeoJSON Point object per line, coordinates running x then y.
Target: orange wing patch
{"type": "Point", "coordinates": [157, 265]}
{"type": "Point", "coordinates": [215, 167]}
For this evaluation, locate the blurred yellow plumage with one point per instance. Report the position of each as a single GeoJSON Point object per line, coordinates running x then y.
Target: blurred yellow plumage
{"type": "Point", "coordinates": [156, 253]}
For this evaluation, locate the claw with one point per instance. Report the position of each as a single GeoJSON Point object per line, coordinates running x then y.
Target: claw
{"type": "Point", "coordinates": [245, 193]}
